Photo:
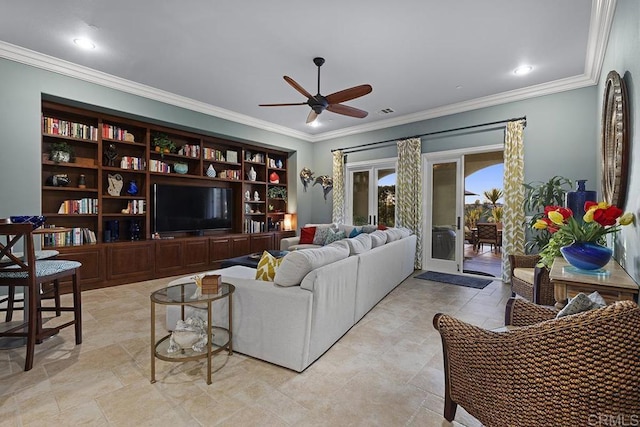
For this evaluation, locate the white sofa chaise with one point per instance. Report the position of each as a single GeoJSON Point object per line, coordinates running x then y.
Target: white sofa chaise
{"type": "Point", "coordinates": [292, 326]}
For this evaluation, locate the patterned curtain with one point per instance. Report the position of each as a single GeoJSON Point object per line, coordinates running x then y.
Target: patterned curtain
{"type": "Point", "coordinates": [338, 187]}
{"type": "Point", "coordinates": [513, 215]}
{"type": "Point", "coordinates": [409, 191]}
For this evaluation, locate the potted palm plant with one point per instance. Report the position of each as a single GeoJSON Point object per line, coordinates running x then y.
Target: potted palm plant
{"type": "Point", "coordinates": [539, 194]}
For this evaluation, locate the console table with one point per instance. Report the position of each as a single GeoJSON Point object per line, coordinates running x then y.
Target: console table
{"type": "Point", "coordinates": [615, 286]}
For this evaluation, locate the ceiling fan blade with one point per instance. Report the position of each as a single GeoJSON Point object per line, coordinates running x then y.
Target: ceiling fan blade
{"type": "Point", "coordinates": [347, 111]}
{"type": "Point", "coordinates": [348, 94]}
{"type": "Point", "coordinates": [312, 116]}
{"type": "Point", "coordinates": [282, 105]}
{"type": "Point", "coordinates": [297, 87]}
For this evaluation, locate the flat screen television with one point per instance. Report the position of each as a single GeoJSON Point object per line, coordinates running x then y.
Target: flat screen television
{"type": "Point", "coordinates": [189, 208]}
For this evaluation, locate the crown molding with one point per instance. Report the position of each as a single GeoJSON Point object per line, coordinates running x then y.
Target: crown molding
{"type": "Point", "coordinates": [602, 13]}
{"type": "Point", "coordinates": [69, 69]}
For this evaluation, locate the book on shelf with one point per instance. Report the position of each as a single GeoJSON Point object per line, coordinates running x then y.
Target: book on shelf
{"type": "Point", "coordinates": [190, 150]}
{"type": "Point", "coordinates": [230, 174]}
{"type": "Point", "coordinates": [132, 163]}
{"type": "Point", "coordinates": [251, 226]}
{"type": "Point", "coordinates": [81, 206]}
{"type": "Point", "coordinates": [159, 166]}
{"type": "Point", "coordinates": [136, 207]}
{"type": "Point", "coordinates": [117, 133]}
{"type": "Point", "coordinates": [74, 237]}
{"type": "Point", "coordinates": [54, 126]}
{"type": "Point", "coordinates": [213, 154]}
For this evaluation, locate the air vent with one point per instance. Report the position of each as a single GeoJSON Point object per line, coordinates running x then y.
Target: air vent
{"type": "Point", "coordinates": [386, 111]}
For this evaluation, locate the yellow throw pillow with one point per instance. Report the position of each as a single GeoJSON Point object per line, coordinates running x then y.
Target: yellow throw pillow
{"type": "Point", "coordinates": [267, 267]}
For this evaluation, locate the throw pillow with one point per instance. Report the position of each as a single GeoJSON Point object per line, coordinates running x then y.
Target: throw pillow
{"type": "Point", "coordinates": [369, 228]}
{"type": "Point", "coordinates": [355, 232]}
{"type": "Point", "coordinates": [321, 235]}
{"type": "Point", "coordinates": [359, 244]}
{"type": "Point", "coordinates": [267, 267]}
{"type": "Point", "coordinates": [382, 227]}
{"type": "Point", "coordinates": [306, 235]}
{"type": "Point", "coordinates": [378, 238]}
{"type": "Point", "coordinates": [334, 236]}
{"type": "Point", "coordinates": [580, 303]}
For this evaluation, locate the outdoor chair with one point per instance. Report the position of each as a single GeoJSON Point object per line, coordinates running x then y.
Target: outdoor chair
{"type": "Point", "coordinates": [529, 281]}
{"type": "Point", "coordinates": [28, 273]}
{"type": "Point", "coordinates": [544, 371]}
{"type": "Point", "coordinates": [488, 233]}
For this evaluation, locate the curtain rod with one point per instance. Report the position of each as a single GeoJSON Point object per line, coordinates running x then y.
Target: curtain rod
{"type": "Point", "coordinates": [361, 147]}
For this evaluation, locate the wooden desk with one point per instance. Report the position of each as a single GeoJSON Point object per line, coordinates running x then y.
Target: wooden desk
{"type": "Point", "coordinates": [616, 286]}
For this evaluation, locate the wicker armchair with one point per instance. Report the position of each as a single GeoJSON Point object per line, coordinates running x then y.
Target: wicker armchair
{"type": "Point", "coordinates": [529, 281]}
{"type": "Point", "coordinates": [563, 372]}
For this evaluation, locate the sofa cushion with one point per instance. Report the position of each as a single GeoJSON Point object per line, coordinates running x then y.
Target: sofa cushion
{"type": "Point", "coordinates": [378, 238]}
{"type": "Point", "coordinates": [303, 246]}
{"type": "Point", "coordinates": [298, 264]}
{"type": "Point", "coordinates": [334, 236]}
{"type": "Point", "coordinates": [359, 244]}
{"type": "Point", "coordinates": [321, 235]}
{"type": "Point", "coordinates": [369, 228]}
{"type": "Point", "coordinates": [524, 274]}
{"type": "Point", "coordinates": [404, 232]}
{"type": "Point", "coordinates": [306, 235]}
{"type": "Point", "coordinates": [267, 267]}
{"type": "Point", "coordinates": [340, 243]}
{"type": "Point", "coordinates": [393, 234]}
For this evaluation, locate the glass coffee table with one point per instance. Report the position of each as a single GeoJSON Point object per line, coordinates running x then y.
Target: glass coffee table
{"type": "Point", "coordinates": [182, 295]}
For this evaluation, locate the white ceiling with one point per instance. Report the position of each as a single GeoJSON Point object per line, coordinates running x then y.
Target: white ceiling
{"type": "Point", "coordinates": [424, 58]}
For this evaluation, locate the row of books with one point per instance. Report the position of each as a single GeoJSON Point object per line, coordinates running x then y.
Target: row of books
{"type": "Point", "coordinates": [60, 127]}
{"type": "Point", "coordinates": [251, 226]}
{"type": "Point", "coordinates": [132, 163]}
{"type": "Point", "coordinates": [190, 150]}
{"type": "Point", "coordinates": [117, 133]}
{"type": "Point", "coordinates": [136, 207]}
{"type": "Point", "coordinates": [76, 236]}
{"type": "Point", "coordinates": [230, 174]}
{"type": "Point", "coordinates": [159, 166]}
{"type": "Point", "coordinates": [81, 206]}
{"type": "Point", "coordinates": [213, 154]}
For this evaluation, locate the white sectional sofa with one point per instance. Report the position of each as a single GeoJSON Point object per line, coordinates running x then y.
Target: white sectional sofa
{"type": "Point", "coordinates": [317, 295]}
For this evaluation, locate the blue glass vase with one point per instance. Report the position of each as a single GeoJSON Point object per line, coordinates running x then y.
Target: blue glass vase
{"type": "Point", "coordinates": [586, 255]}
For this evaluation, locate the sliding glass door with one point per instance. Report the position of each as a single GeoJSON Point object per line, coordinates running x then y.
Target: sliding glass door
{"type": "Point", "coordinates": [371, 193]}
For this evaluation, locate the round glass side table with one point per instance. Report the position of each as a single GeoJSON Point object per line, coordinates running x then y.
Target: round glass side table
{"type": "Point", "coordinates": [185, 294]}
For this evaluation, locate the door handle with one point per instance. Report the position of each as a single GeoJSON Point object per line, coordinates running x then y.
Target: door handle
{"type": "Point", "coordinates": [458, 223]}
{"type": "Point", "coordinates": [374, 220]}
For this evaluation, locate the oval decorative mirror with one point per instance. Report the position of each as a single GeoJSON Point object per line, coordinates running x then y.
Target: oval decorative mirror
{"type": "Point", "coordinates": [615, 140]}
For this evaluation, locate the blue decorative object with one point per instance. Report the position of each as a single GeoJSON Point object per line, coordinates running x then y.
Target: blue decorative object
{"type": "Point", "coordinates": [133, 188]}
{"type": "Point", "coordinates": [586, 255]}
{"type": "Point", "coordinates": [181, 168]}
{"type": "Point", "coordinates": [36, 220]}
{"type": "Point", "coordinates": [575, 200]}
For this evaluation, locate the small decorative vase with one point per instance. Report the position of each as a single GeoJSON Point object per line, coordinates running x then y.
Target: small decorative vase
{"type": "Point", "coordinates": [274, 178]}
{"type": "Point", "coordinates": [252, 174]}
{"type": "Point", "coordinates": [279, 163]}
{"type": "Point", "coordinates": [133, 188]}
{"type": "Point", "coordinates": [256, 196]}
{"type": "Point", "coordinates": [575, 200]}
{"type": "Point", "coordinates": [211, 172]}
{"type": "Point", "coordinates": [181, 168]}
{"type": "Point", "coordinates": [586, 255]}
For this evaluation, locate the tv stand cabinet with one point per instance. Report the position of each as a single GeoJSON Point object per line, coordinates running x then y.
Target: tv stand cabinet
{"type": "Point", "coordinates": [102, 191]}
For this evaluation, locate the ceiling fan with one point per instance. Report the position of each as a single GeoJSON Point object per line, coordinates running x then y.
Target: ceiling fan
{"type": "Point", "coordinates": [319, 103]}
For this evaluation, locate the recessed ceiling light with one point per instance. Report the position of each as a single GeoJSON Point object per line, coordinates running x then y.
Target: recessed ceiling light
{"type": "Point", "coordinates": [84, 43]}
{"type": "Point", "coordinates": [522, 70]}
{"type": "Point", "coordinates": [314, 124]}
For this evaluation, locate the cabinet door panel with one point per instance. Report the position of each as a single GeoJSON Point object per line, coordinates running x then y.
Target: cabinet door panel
{"type": "Point", "coordinates": [92, 271]}
{"type": "Point", "coordinates": [130, 262]}
{"type": "Point", "coordinates": [168, 257]}
{"type": "Point", "coordinates": [240, 246]}
{"type": "Point", "coordinates": [196, 253]}
{"type": "Point", "coordinates": [219, 249]}
{"type": "Point", "coordinates": [262, 242]}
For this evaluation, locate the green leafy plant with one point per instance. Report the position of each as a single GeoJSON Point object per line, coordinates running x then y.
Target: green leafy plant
{"type": "Point", "coordinates": [163, 143]}
{"type": "Point", "coordinates": [538, 195]}
{"type": "Point", "coordinates": [60, 147]}
{"type": "Point", "coordinates": [277, 192]}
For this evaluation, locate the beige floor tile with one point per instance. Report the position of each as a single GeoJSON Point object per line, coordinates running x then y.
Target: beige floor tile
{"type": "Point", "coordinates": [386, 371]}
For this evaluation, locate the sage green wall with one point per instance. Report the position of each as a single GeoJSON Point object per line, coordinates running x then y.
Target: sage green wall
{"type": "Point", "coordinates": [561, 138]}
{"type": "Point", "coordinates": [622, 56]}
{"type": "Point", "coordinates": [22, 88]}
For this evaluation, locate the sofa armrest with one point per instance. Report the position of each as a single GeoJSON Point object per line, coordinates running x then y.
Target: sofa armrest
{"type": "Point", "coordinates": [520, 312]}
{"type": "Point", "coordinates": [288, 242]}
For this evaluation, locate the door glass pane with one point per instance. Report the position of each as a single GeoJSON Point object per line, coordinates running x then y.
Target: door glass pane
{"type": "Point", "coordinates": [386, 197]}
{"type": "Point", "coordinates": [360, 193]}
{"type": "Point", "coordinates": [443, 245]}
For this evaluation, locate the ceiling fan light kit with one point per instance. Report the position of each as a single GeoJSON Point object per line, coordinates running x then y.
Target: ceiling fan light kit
{"type": "Point", "coordinates": [332, 102]}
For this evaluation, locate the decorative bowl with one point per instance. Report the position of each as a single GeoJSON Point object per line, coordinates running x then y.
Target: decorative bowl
{"type": "Point", "coordinates": [35, 220]}
{"type": "Point", "coordinates": [181, 168]}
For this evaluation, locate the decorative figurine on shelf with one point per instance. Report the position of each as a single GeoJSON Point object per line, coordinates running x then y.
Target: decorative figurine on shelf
{"type": "Point", "coordinates": [115, 184]}
{"type": "Point", "coordinates": [110, 155]}
{"type": "Point", "coordinates": [252, 174]}
{"type": "Point", "coordinates": [327, 184]}
{"type": "Point", "coordinates": [306, 177]}
{"type": "Point", "coordinates": [274, 178]}
{"type": "Point", "coordinates": [211, 172]}
{"type": "Point", "coordinates": [134, 230]}
{"type": "Point", "coordinates": [58, 180]}
{"type": "Point", "coordinates": [279, 164]}
{"type": "Point", "coordinates": [133, 187]}
{"type": "Point", "coordinates": [256, 196]}
{"type": "Point", "coordinates": [82, 181]}
{"type": "Point", "coordinates": [247, 195]}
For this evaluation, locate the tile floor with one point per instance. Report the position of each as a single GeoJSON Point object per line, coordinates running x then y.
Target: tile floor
{"type": "Point", "coordinates": [386, 371]}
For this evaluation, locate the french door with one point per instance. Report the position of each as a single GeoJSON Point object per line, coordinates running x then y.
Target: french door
{"type": "Point", "coordinates": [444, 235]}
{"type": "Point", "coordinates": [371, 193]}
